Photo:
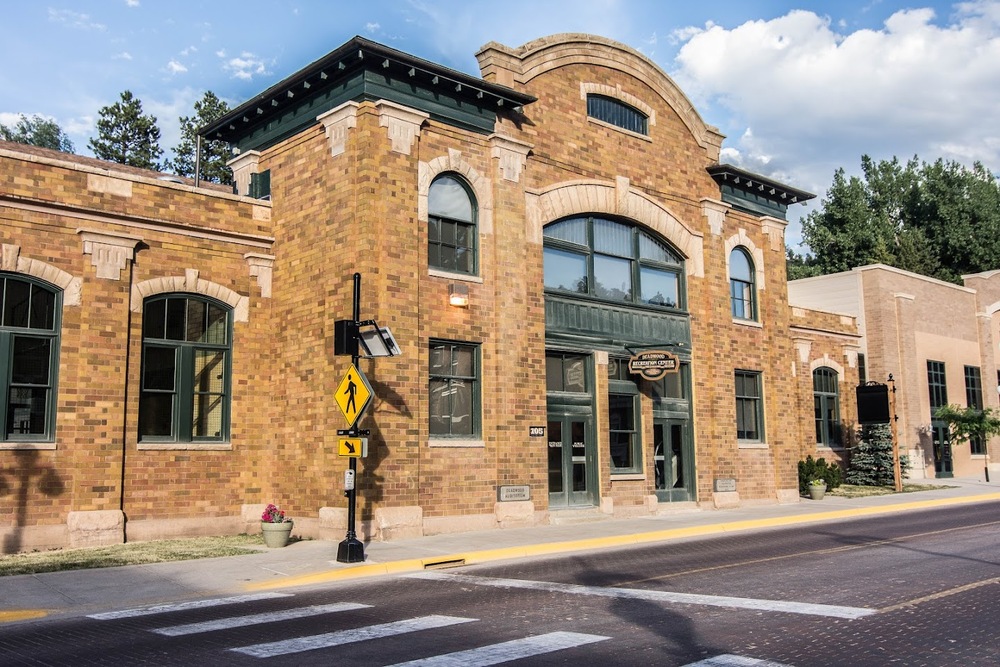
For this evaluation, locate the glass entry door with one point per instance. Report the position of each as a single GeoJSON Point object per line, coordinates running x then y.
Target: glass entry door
{"type": "Point", "coordinates": [942, 450]}
{"type": "Point", "coordinates": [571, 458]}
{"type": "Point", "coordinates": [673, 461]}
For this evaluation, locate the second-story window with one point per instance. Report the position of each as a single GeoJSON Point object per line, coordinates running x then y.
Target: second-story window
{"type": "Point", "coordinates": [451, 220]}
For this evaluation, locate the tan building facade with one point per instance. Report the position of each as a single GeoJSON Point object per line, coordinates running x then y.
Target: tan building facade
{"type": "Point", "coordinates": [530, 237]}
{"type": "Point", "coordinates": [937, 340]}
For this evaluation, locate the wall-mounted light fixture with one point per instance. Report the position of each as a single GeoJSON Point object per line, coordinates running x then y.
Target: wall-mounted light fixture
{"type": "Point", "coordinates": [458, 295]}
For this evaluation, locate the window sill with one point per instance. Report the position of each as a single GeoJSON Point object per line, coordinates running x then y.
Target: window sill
{"type": "Point", "coordinates": [480, 444]}
{"type": "Point", "coordinates": [752, 445]}
{"type": "Point", "coordinates": [27, 446]}
{"type": "Point", "coordinates": [186, 446]}
{"type": "Point", "coordinates": [627, 476]}
{"type": "Point", "coordinates": [612, 126]}
{"type": "Point", "coordinates": [466, 277]}
{"type": "Point", "coordinates": [748, 323]}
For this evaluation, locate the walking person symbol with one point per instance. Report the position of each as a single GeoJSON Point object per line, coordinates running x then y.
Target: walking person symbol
{"type": "Point", "coordinates": [351, 390]}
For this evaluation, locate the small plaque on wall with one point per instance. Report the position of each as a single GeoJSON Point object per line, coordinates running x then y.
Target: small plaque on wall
{"type": "Point", "coordinates": [723, 484]}
{"type": "Point", "coordinates": [536, 431]}
{"type": "Point", "coordinates": [507, 494]}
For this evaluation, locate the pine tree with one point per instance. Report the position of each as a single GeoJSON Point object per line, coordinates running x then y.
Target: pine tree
{"type": "Point", "coordinates": [871, 460]}
{"type": "Point", "coordinates": [37, 131]}
{"type": "Point", "coordinates": [214, 154]}
{"type": "Point", "coordinates": [126, 135]}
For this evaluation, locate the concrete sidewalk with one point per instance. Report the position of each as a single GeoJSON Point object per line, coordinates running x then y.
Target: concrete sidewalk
{"type": "Point", "coordinates": [307, 563]}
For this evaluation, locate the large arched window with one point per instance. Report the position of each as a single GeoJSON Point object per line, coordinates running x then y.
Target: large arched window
{"type": "Point", "coordinates": [186, 368]}
{"type": "Point", "coordinates": [741, 285]}
{"type": "Point", "coordinates": [451, 219]}
{"type": "Point", "coordinates": [29, 358]}
{"type": "Point", "coordinates": [612, 261]}
{"type": "Point", "coordinates": [826, 401]}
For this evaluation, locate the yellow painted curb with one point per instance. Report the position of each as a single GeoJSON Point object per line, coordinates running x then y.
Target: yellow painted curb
{"type": "Point", "coordinates": [548, 548]}
{"type": "Point", "coordinates": [22, 615]}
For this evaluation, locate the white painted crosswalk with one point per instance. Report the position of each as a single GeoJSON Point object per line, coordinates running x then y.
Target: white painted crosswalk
{"type": "Point", "coordinates": [478, 656]}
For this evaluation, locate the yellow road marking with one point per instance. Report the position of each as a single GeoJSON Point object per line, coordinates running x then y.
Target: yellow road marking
{"type": "Point", "coordinates": [22, 615]}
{"type": "Point", "coordinates": [940, 594]}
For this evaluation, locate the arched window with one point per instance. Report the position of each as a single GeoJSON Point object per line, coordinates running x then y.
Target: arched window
{"type": "Point", "coordinates": [826, 401]}
{"type": "Point", "coordinates": [186, 369]}
{"type": "Point", "coordinates": [451, 219]}
{"type": "Point", "coordinates": [741, 285]}
{"type": "Point", "coordinates": [612, 261]}
{"type": "Point", "coordinates": [617, 113]}
{"type": "Point", "coordinates": [29, 358]}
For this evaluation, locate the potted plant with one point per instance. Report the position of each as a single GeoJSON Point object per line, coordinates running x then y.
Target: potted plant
{"type": "Point", "coordinates": [275, 526]}
{"type": "Point", "coordinates": [817, 488]}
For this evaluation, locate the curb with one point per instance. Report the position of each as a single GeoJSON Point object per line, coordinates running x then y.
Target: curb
{"type": "Point", "coordinates": [545, 549]}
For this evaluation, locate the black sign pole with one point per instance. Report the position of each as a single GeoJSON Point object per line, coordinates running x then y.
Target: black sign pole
{"type": "Point", "coordinates": [352, 550]}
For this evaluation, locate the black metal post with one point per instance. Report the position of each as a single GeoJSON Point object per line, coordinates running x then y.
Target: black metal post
{"type": "Point", "coordinates": [352, 550]}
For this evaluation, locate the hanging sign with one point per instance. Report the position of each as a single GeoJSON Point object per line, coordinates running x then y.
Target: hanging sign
{"type": "Point", "coordinates": [653, 364]}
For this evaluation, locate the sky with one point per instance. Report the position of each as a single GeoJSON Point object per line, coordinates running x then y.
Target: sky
{"type": "Point", "coordinates": [800, 89]}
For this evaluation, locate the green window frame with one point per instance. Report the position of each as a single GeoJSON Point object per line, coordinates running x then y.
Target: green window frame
{"type": "Point", "coordinates": [974, 399]}
{"type": "Point", "coordinates": [937, 385]}
{"type": "Point", "coordinates": [742, 288]}
{"type": "Point", "coordinates": [749, 406]}
{"type": "Point", "coordinates": [455, 390]}
{"type": "Point", "coordinates": [624, 420]}
{"type": "Point", "coordinates": [826, 404]}
{"type": "Point", "coordinates": [30, 316]}
{"type": "Point", "coordinates": [617, 113]}
{"type": "Point", "coordinates": [186, 375]}
{"type": "Point", "coordinates": [452, 230]}
{"type": "Point", "coordinates": [612, 261]}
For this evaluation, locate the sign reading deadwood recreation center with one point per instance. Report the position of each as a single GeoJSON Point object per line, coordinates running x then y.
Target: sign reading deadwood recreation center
{"type": "Point", "coordinates": [653, 364]}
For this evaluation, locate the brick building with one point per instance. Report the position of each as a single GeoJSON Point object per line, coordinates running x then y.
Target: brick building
{"type": "Point", "coordinates": [525, 234]}
{"type": "Point", "coordinates": [938, 340]}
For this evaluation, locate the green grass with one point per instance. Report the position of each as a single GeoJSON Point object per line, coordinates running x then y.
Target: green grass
{"type": "Point", "coordinates": [133, 553]}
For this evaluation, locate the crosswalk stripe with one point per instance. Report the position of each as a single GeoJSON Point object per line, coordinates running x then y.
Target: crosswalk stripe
{"type": "Point", "coordinates": [729, 660]}
{"type": "Point", "coordinates": [182, 606]}
{"type": "Point", "coordinates": [256, 619]}
{"type": "Point", "coordinates": [834, 611]}
{"type": "Point", "coordinates": [340, 637]}
{"type": "Point", "coordinates": [507, 651]}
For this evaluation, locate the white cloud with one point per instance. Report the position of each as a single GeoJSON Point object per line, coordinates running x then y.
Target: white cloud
{"type": "Point", "coordinates": [124, 55]}
{"type": "Point", "coordinates": [245, 66]}
{"type": "Point", "coordinates": [818, 98]}
{"type": "Point", "coordinates": [74, 19]}
{"type": "Point", "coordinates": [174, 67]}
{"type": "Point", "coordinates": [372, 28]}
{"type": "Point", "coordinates": [132, 3]}
{"type": "Point", "coordinates": [189, 51]}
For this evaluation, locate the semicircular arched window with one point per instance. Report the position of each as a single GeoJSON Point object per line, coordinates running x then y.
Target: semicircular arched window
{"type": "Point", "coordinates": [186, 368]}
{"type": "Point", "coordinates": [29, 341]}
{"type": "Point", "coordinates": [612, 261]}
{"type": "Point", "coordinates": [451, 219]}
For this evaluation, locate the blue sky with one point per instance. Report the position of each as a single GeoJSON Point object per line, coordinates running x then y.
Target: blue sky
{"type": "Point", "coordinates": [798, 88]}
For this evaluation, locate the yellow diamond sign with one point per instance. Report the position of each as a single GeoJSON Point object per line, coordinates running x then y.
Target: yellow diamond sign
{"type": "Point", "coordinates": [353, 395]}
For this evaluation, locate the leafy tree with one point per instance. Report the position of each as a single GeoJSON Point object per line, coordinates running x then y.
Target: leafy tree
{"type": "Point", "coordinates": [938, 219]}
{"type": "Point", "coordinates": [800, 266]}
{"type": "Point", "coordinates": [964, 424]}
{"type": "Point", "coordinates": [37, 131]}
{"type": "Point", "coordinates": [126, 135]}
{"type": "Point", "coordinates": [871, 460]}
{"type": "Point", "coordinates": [214, 154]}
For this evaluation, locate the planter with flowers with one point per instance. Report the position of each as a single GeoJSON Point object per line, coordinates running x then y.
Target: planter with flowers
{"type": "Point", "coordinates": [275, 526]}
{"type": "Point", "coordinates": [817, 489]}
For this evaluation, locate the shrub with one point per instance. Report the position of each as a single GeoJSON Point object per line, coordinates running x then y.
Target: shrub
{"type": "Point", "coordinates": [811, 469]}
{"type": "Point", "coordinates": [871, 459]}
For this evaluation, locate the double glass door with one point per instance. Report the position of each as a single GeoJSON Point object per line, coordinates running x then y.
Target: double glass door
{"type": "Point", "coordinates": [673, 465]}
{"type": "Point", "coordinates": [571, 461]}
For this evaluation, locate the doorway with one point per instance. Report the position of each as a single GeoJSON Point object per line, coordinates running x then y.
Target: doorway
{"type": "Point", "coordinates": [571, 461]}
{"type": "Point", "coordinates": [672, 460]}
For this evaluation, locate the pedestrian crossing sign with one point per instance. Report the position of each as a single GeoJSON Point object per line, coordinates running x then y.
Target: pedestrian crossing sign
{"type": "Point", "coordinates": [353, 447]}
{"type": "Point", "coordinates": [353, 395]}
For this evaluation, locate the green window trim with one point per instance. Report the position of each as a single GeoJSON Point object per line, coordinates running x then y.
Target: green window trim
{"type": "Point", "coordinates": [826, 407]}
{"type": "Point", "coordinates": [624, 420]}
{"type": "Point", "coordinates": [749, 406]}
{"type": "Point", "coordinates": [186, 377]}
{"type": "Point", "coordinates": [30, 324]}
{"type": "Point", "coordinates": [615, 112]}
{"type": "Point", "coordinates": [742, 287]}
{"type": "Point", "coordinates": [452, 226]}
{"type": "Point", "coordinates": [974, 400]}
{"type": "Point", "coordinates": [454, 390]}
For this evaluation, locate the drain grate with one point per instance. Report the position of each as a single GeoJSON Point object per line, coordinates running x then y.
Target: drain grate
{"type": "Point", "coordinates": [444, 564]}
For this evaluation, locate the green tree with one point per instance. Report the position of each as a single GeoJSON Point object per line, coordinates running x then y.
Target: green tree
{"type": "Point", "coordinates": [967, 423]}
{"type": "Point", "coordinates": [126, 135]}
{"type": "Point", "coordinates": [214, 154]}
{"type": "Point", "coordinates": [938, 219]}
{"type": "Point", "coordinates": [37, 131]}
{"type": "Point", "coordinates": [871, 460]}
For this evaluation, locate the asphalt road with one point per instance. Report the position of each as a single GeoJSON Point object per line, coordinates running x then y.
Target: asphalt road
{"type": "Point", "coordinates": [919, 588]}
